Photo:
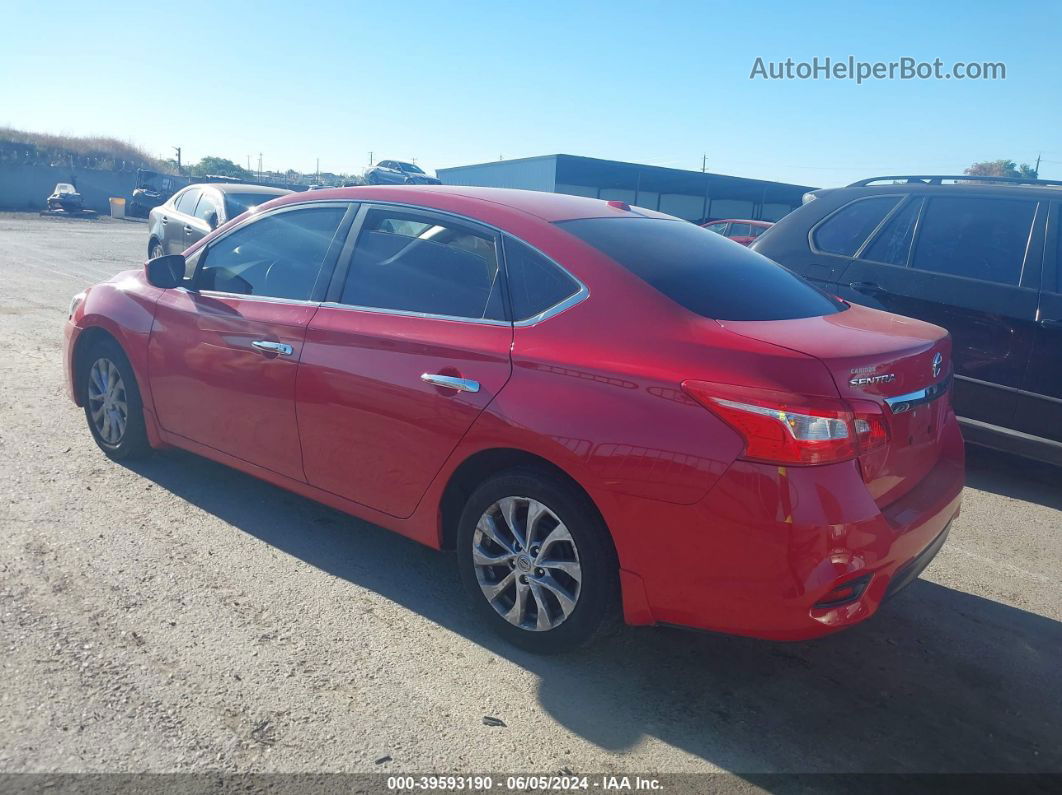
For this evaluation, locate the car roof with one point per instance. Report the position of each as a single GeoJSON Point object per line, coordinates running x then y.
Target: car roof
{"type": "Point", "coordinates": [474, 201]}
{"type": "Point", "coordinates": [242, 187]}
{"type": "Point", "coordinates": [753, 221]}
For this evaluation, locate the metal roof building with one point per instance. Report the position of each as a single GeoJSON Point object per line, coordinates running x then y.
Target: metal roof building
{"type": "Point", "coordinates": [693, 195]}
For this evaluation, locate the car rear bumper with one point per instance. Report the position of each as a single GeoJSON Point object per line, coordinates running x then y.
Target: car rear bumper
{"type": "Point", "coordinates": [770, 551]}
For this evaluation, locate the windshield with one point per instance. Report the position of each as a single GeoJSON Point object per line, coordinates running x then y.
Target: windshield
{"type": "Point", "coordinates": [409, 168]}
{"type": "Point", "coordinates": [237, 203]}
{"type": "Point", "coordinates": [702, 271]}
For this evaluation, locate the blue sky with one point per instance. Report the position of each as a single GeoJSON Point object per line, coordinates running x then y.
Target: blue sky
{"type": "Point", "coordinates": [464, 82]}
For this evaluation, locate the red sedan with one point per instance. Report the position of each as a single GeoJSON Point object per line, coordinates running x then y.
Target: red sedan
{"type": "Point", "coordinates": [738, 229]}
{"type": "Point", "coordinates": [602, 408]}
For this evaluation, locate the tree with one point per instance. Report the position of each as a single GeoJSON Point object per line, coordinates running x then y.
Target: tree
{"type": "Point", "coordinates": [1001, 168]}
{"type": "Point", "coordinates": [220, 166]}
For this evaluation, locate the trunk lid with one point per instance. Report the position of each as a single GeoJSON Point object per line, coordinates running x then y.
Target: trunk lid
{"type": "Point", "coordinates": [884, 358]}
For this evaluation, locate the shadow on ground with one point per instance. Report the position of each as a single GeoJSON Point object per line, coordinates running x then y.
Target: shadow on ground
{"type": "Point", "coordinates": [939, 681]}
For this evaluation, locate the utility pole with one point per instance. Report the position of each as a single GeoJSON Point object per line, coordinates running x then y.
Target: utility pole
{"type": "Point", "coordinates": [704, 162]}
{"type": "Point", "coordinates": [317, 179]}
{"type": "Point", "coordinates": [1037, 169]}
{"type": "Point", "coordinates": [178, 150]}
{"type": "Point", "coordinates": [248, 163]}
{"type": "Point", "coordinates": [259, 166]}
{"type": "Point", "coordinates": [370, 158]}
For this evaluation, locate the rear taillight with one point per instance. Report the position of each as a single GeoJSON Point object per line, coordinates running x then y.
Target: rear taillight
{"type": "Point", "coordinates": [785, 428]}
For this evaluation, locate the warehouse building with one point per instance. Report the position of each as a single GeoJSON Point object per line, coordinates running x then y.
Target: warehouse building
{"type": "Point", "coordinates": [693, 195]}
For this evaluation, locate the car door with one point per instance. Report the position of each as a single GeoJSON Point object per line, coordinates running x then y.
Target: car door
{"type": "Point", "coordinates": [410, 348]}
{"type": "Point", "coordinates": [1040, 402]}
{"type": "Point", "coordinates": [224, 352]}
{"type": "Point", "coordinates": [959, 261]}
{"type": "Point", "coordinates": [176, 221]}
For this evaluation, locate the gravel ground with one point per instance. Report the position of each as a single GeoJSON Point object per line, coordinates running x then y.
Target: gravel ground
{"type": "Point", "coordinates": [175, 615]}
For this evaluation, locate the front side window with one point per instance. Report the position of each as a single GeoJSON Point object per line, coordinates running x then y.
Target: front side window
{"type": "Point", "coordinates": [844, 231]}
{"type": "Point", "coordinates": [703, 272]}
{"type": "Point", "coordinates": [893, 245]}
{"type": "Point", "coordinates": [717, 228]}
{"type": "Point", "coordinates": [186, 201]}
{"type": "Point", "coordinates": [535, 283]}
{"type": "Point", "coordinates": [407, 262]}
{"type": "Point", "coordinates": [279, 256]}
{"type": "Point", "coordinates": [206, 207]}
{"type": "Point", "coordinates": [979, 238]}
{"type": "Point", "coordinates": [739, 230]}
{"type": "Point", "coordinates": [239, 203]}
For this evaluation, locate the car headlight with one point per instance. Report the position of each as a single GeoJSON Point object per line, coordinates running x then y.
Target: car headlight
{"type": "Point", "coordinates": [74, 303]}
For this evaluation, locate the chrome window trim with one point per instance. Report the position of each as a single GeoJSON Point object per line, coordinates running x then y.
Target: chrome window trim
{"type": "Point", "coordinates": [266, 299]}
{"type": "Point", "coordinates": [408, 313]}
{"type": "Point", "coordinates": [575, 298]}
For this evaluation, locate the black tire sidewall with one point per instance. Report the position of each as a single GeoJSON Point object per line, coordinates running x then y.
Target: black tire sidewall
{"type": "Point", "coordinates": [134, 443]}
{"type": "Point", "coordinates": [599, 590]}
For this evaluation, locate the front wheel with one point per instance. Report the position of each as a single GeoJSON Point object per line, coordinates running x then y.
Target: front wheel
{"type": "Point", "coordinates": [155, 250]}
{"type": "Point", "coordinates": [113, 409]}
{"type": "Point", "coordinates": [537, 561]}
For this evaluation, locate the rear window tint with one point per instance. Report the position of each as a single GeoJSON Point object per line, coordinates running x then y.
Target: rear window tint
{"type": "Point", "coordinates": [705, 273]}
{"type": "Point", "coordinates": [976, 237]}
{"type": "Point", "coordinates": [844, 231]}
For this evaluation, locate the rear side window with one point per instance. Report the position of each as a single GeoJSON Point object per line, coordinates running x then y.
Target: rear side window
{"type": "Point", "coordinates": [412, 263]}
{"type": "Point", "coordinates": [279, 256]}
{"type": "Point", "coordinates": [535, 283]}
{"type": "Point", "coordinates": [740, 230]}
{"type": "Point", "coordinates": [703, 272]}
{"type": "Point", "coordinates": [974, 237]}
{"type": "Point", "coordinates": [844, 231]}
{"type": "Point", "coordinates": [893, 245]}
{"type": "Point", "coordinates": [206, 207]}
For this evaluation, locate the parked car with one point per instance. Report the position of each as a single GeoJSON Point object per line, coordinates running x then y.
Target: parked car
{"type": "Point", "coordinates": [65, 197]}
{"type": "Point", "coordinates": [980, 257]}
{"type": "Point", "coordinates": [598, 406]}
{"type": "Point", "coordinates": [192, 213]}
{"type": "Point", "coordinates": [739, 230]}
{"type": "Point", "coordinates": [397, 172]}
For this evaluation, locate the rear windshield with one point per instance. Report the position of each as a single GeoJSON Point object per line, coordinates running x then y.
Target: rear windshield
{"type": "Point", "coordinates": [239, 203]}
{"type": "Point", "coordinates": [702, 271]}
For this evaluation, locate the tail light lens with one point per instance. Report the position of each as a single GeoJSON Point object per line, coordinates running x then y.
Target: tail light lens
{"type": "Point", "coordinates": [786, 428]}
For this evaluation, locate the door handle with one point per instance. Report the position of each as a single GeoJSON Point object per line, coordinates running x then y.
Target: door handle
{"type": "Point", "coordinates": [165, 220]}
{"type": "Point", "coordinates": [867, 288]}
{"type": "Point", "coordinates": [449, 382]}
{"type": "Point", "coordinates": [268, 346]}
{"type": "Point", "coordinates": [1050, 322]}
{"type": "Point", "coordinates": [188, 229]}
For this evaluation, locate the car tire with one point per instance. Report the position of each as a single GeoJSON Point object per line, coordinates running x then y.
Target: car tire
{"type": "Point", "coordinates": [155, 249]}
{"type": "Point", "coordinates": [114, 410]}
{"type": "Point", "coordinates": [568, 599]}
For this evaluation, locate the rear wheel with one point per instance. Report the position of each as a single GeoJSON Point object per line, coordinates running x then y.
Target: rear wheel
{"type": "Point", "coordinates": [155, 249]}
{"type": "Point", "coordinates": [113, 408]}
{"type": "Point", "coordinates": [537, 561]}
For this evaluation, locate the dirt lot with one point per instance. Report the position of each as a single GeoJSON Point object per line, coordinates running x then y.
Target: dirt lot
{"type": "Point", "coordinates": [176, 615]}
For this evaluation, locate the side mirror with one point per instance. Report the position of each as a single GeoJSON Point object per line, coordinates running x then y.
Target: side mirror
{"type": "Point", "coordinates": [212, 220]}
{"type": "Point", "coordinates": [166, 271]}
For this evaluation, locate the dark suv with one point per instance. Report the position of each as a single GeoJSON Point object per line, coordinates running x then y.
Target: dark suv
{"type": "Point", "coordinates": [980, 257]}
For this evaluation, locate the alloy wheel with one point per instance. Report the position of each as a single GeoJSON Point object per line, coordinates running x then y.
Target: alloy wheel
{"type": "Point", "coordinates": [108, 402]}
{"type": "Point", "coordinates": [526, 563]}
